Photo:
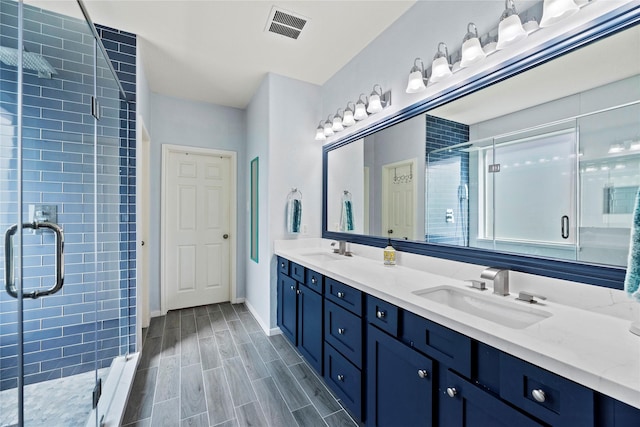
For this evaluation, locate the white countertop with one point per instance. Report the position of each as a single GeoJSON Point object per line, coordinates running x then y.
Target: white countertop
{"type": "Point", "coordinates": [590, 348]}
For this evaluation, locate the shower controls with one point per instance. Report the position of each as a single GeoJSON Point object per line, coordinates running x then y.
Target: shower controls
{"type": "Point", "coordinates": [43, 213]}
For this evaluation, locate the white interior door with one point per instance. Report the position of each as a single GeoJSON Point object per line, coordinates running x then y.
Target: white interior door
{"type": "Point", "coordinates": [399, 193]}
{"type": "Point", "coordinates": [197, 227]}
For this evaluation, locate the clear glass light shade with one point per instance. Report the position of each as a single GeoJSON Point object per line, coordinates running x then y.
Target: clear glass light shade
{"type": "Point", "coordinates": [555, 11]}
{"type": "Point", "coordinates": [510, 31]}
{"type": "Point", "coordinates": [361, 111]}
{"type": "Point", "coordinates": [347, 119]}
{"type": "Point", "coordinates": [375, 106]}
{"type": "Point", "coordinates": [328, 131]}
{"type": "Point", "coordinates": [616, 148]}
{"type": "Point", "coordinates": [320, 134]}
{"type": "Point", "coordinates": [416, 82]}
{"type": "Point", "coordinates": [471, 52]}
{"type": "Point", "coordinates": [337, 124]}
{"type": "Point", "coordinates": [440, 69]}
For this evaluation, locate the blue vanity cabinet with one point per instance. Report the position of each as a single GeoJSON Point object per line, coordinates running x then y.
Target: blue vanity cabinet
{"type": "Point", "coordinates": [310, 315]}
{"type": "Point", "coordinates": [300, 310]}
{"type": "Point", "coordinates": [549, 397]}
{"type": "Point", "coordinates": [400, 383]}
{"type": "Point", "coordinates": [464, 404]}
{"type": "Point", "coordinates": [344, 340]}
{"type": "Point", "coordinates": [288, 307]}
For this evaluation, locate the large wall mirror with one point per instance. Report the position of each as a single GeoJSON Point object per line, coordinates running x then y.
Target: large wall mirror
{"type": "Point", "coordinates": [535, 172]}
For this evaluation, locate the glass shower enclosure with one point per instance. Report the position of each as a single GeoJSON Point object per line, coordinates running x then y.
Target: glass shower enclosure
{"type": "Point", "coordinates": [67, 270]}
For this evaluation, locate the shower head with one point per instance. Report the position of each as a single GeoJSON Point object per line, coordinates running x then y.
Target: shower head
{"type": "Point", "coordinates": [30, 61]}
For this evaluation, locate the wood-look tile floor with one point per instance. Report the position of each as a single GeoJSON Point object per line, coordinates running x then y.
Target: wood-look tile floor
{"type": "Point", "coordinates": [214, 366]}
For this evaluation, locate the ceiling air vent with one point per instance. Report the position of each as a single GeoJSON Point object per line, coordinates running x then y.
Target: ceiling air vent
{"type": "Point", "coordinates": [285, 23]}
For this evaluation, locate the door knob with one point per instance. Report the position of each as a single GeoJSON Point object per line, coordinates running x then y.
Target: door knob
{"type": "Point", "coordinates": [451, 391]}
{"type": "Point", "coordinates": [225, 236]}
{"type": "Point", "coordinates": [142, 243]}
{"type": "Point", "coordinates": [422, 373]}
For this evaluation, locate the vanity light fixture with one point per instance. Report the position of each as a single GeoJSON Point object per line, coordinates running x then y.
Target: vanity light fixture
{"type": "Point", "coordinates": [510, 28]}
{"type": "Point", "coordinates": [440, 68]}
{"type": "Point", "coordinates": [361, 108]}
{"type": "Point", "coordinates": [378, 100]}
{"type": "Point", "coordinates": [337, 122]}
{"type": "Point", "coordinates": [320, 132]}
{"type": "Point", "coordinates": [416, 78]}
{"type": "Point", "coordinates": [471, 48]}
{"type": "Point", "coordinates": [328, 127]}
{"type": "Point", "coordinates": [347, 117]}
{"type": "Point", "coordinates": [554, 11]}
{"type": "Point", "coordinates": [616, 147]}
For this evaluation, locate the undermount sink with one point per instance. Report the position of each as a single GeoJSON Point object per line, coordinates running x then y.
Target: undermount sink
{"type": "Point", "coordinates": [324, 256]}
{"type": "Point", "coordinates": [488, 307]}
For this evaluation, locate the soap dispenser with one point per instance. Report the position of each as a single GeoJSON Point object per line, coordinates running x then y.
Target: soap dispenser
{"type": "Point", "coordinates": [389, 254]}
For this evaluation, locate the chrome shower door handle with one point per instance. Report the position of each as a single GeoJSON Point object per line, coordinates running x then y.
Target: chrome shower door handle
{"type": "Point", "coordinates": [9, 278]}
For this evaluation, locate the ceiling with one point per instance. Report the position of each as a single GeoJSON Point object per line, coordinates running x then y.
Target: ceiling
{"type": "Point", "coordinates": [219, 51]}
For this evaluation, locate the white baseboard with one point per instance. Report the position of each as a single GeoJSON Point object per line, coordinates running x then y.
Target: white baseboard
{"type": "Point", "coordinates": [237, 300]}
{"type": "Point", "coordinates": [268, 331]}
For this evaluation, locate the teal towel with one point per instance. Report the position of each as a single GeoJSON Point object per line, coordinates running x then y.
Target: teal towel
{"type": "Point", "coordinates": [632, 278]}
{"type": "Point", "coordinates": [346, 219]}
{"type": "Point", "coordinates": [294, 215]}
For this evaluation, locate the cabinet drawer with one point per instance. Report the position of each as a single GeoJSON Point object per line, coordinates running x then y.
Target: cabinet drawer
{"type": "Point", "coordinates": [465, 404]}
{"type": "Point", "coordinates": [296, 271]}
{"type": "Point", "coordinates": [283, 266]}
{"type": "Point", "coordinates": [343, 330]}
{"type": "Point", "coordinates": [343, 295]}
{"type": "Point", "coordinates": [547, 396]}
{"type": "Point", "coordinates": [314, 281]}
{"type": "Point", "coordinates": [345, 380]}
{"type": "Point", "coordinates": [443, 344]}
{"type": "Point", "coordinates": [382, 314]}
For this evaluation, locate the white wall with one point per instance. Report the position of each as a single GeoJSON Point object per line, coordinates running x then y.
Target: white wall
{"type": "Point", "coordinates": [295, 160]}
{"type": "Point", "coordinates": [279, 117]}
{"type": "Point", "coordinates": [257, 295]}
{"type": "Point", "coordinates": [196, 124]}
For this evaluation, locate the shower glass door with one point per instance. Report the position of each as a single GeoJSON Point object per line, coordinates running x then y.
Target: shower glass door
{"type": "Point", "coordinates": [64, 296]}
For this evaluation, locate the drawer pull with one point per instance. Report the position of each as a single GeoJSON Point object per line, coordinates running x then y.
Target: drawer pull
{"type": "Point", "coordinates": [422, 373]}
{"type": "Point", "coordinates": [380, 314]}
{"type": "Point", "coordinates": [451, 391]}
{"type": "Point", "coordinates": [340, 294]}
{"type": "Point", "coordinates": [282, 265]}
{"type": "Point", "coordinates": [313, 280]}
{"type": "Point", "coordinates": [341, 331]}
{"type": "Point", "coordinates": [539, 395]}
{"type": "Point", "coordinates": [340, 377]}
{"type": "Point", "coordinates": [292, 288]}
{"type": "Point", "coordinates": [298, 292]}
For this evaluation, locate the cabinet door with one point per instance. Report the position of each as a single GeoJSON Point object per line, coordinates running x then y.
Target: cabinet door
{"type": "Point", "coordinates": [399, 383]}
{"type": "Point", "coordinates": [287, 299]}
{"type": "Point", "coordinates": [463, 404]}
{"type": "Point", "coordinates": [310, 326]}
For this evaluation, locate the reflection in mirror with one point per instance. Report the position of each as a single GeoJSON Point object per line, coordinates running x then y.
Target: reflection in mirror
{"type": "Point", "coordinates": [545, 163]}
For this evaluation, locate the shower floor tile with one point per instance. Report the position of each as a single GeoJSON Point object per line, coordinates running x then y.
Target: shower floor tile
{"type": "Point", "coordinates": [59, 402]}
{"type": "Point", "coordinates": [249, 378]}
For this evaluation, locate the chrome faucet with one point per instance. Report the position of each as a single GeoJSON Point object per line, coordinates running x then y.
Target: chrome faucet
{"type": "Point", "coordinates": [342, 247]}
{"type": "Point", "coordinates": [500, 277]}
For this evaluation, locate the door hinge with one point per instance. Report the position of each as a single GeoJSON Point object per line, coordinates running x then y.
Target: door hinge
{"type": "Point", "coordinates": [95, 108]}
{"type": "Point", "coordinates": [494, 168]}
{"type": "Point", "coordinates": [97, 392]}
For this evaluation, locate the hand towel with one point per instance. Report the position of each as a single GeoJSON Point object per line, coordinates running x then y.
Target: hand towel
{"type": "Point", "coordinates": [632, 278]}
{"type": "Point", "coordinates": [294, 215]}
{"type": "Point", "coordinates": [346, 219]}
